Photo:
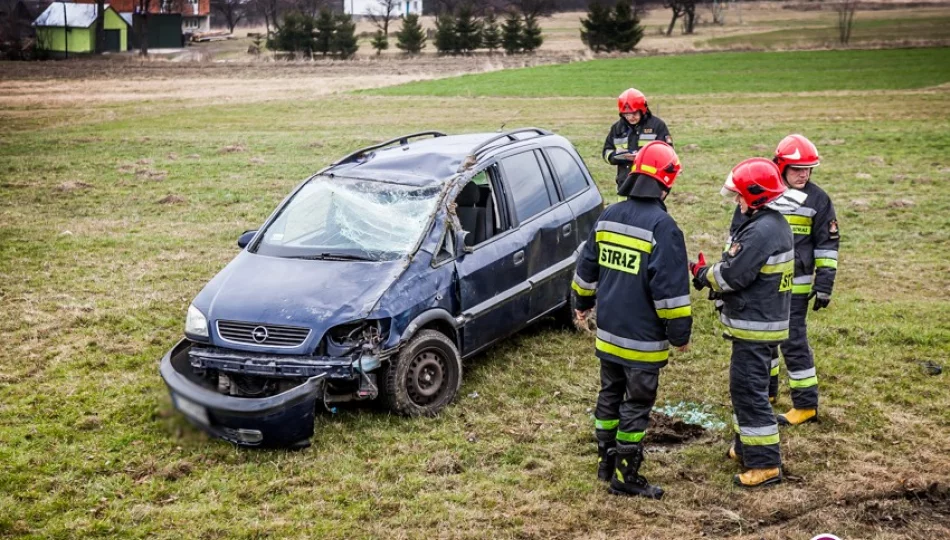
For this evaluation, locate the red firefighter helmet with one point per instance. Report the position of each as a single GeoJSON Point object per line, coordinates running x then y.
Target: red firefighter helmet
{"type": "Point", "coordinates": [757, 180]}
{"type": "Point", "coordinates": [658, 160]}
{"type": "Point", "coordinates": [632, 100]}
{"type": "Point", "coordinates": [796, 151]}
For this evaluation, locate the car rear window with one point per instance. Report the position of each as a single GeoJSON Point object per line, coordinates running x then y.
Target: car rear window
{"type": "Point", "coordinates": [526, 184]}
{"type": "Point", "coordinates": [569, 172]}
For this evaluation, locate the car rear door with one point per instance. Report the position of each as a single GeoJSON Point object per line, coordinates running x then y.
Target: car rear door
{"type": "Point", "coordinates": [493, 279]}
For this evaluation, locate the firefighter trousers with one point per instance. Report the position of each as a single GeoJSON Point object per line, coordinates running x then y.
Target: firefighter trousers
{"type": "Point", "coordinates": [625, 400]}
{"type": "Point", "coordinates": [799, 359]}
{"type": "Point", "coordinates": [756, 430]}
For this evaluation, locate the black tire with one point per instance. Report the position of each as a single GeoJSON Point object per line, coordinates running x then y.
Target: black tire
{"type": "Point", "coordinates": [424, 377]}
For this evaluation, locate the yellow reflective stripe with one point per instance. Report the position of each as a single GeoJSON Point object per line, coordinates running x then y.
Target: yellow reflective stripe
{"type": "Point", "coordinates": [648, 169]}
{"type": "Point", "coordinates": [801, 229]}
{"type": "Point", "coordinates": [675, 313]}
{"type": "Point", "coordinates": [582, 291]}
{"type": "Point", "coordinates": [631, 436]}
{"type": "Point", "coordinates": [624, 240]}
{"type": "Point", "coordinates": [826, 263]}
{"type": "Point", "coordinates": [758, 335]}
{"type": "Point", "coordinates": [803, 383]}
{"type": "Point", "coordinates": [801, 289]}
{"type": "Point", "coordinates": [780, 268]}
{"type": "Point", "coordinates": [761, 440]}
{"type": "Point", "coordinates": [798, 220]}
{"type": "Point", "coordinates": [607, 155]}
{"type": "Point", "coordinates": [606, 424]}
{"type": "Point", "coordinates": [642, 142]}
{"type": "Point", "coordinates": [630, 354]}
{"type": "Point", "coordinates": [774, 372]}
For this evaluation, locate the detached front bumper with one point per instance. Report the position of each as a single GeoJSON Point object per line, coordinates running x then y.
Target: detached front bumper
{"type": "Point", "coordinates": [285, 419]}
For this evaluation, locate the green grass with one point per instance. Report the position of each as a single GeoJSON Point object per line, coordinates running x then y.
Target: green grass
{"type": "Point", "coordinates": [703, 74]}
{"type": "Point", "coordinates": [91, 447]}
{"type": "Point", "coordinates": [917, 29]}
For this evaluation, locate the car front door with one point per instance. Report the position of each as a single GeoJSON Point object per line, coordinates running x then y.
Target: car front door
{"type": "Point", "coordinates": [493, 278]}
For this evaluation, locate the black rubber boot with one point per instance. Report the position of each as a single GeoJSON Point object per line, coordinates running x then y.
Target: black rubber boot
{"type": "Point", "coordinates": [606, 442]}
{"type": "Point", "coordinates": [627, 480]}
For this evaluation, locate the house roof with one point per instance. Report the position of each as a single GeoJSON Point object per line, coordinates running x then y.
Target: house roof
{"type": "Point", "coordinates": [60, 14]}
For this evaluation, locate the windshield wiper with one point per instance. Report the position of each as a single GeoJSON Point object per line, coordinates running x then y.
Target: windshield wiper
{"type": "Point", "coordinates": [333, 257]}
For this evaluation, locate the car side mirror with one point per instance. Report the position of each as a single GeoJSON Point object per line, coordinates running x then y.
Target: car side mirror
{"type": "Point", "coordinates": [246, 238]}
{"type": "Point", "coordinates": [460, 247]}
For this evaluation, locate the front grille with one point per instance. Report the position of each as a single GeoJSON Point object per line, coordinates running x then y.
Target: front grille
{"type": "Point", "coordinates": [276, 336]}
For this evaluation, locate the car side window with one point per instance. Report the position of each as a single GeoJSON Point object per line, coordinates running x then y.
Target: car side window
{"type": "Point", "coordinates": [478, 209]}
{"type": "Point", "coordinates": [569, 172]}
{"type": "Point", "coordinates": [525, 182]}
{"type": "Point", "coordinates": [446, 249]}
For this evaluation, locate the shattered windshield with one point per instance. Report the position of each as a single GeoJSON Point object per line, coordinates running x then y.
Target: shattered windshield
{"type": "Point", "coordinates": [344, 218]}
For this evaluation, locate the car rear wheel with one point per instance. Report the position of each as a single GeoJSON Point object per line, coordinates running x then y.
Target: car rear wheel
{"type": "Point", "coordinates": [424, 377]}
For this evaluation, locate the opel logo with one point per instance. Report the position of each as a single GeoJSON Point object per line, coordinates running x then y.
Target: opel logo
{"type": "Point", "coordinates": [259, 334]}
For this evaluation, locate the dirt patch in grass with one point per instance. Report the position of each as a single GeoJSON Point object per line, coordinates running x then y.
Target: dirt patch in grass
{"type": "Point", "coordinates": [666, 430]}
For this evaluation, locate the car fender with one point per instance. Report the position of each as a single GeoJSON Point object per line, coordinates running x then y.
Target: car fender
{"type": "Point", "coordinates": [426, 317]}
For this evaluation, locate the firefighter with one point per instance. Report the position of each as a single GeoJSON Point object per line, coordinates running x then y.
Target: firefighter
{"type": "Point", "coordinates": [636, 128]}
{"type": "Point", "coordinates": [754, 279]}
{"type": "Point", "coordinates": [634, 265]}
{"type": "Point", "coordinates": [815, 227]}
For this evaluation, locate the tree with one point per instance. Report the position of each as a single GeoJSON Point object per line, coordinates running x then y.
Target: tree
{"type": "Point", "coordinates": [100, 26]}
{"type": "Point", "coordinates": [143, 9]}
{"type": "Point", "coordinates": [295, 34]}
{"type": "Point", "coordinates": [468, 30]}
{"type": "Point", "coordinates": [270, 11]}
{"type": "Point", "coordinates": [344, 36]}
{"type": "Point", "coordinates": [231, 10]}
{"type": "Point", "coordinates": [595, 28]}
{"type": "Point", "coordinates": [627, 31]}
{"type": "Point", "coordinates": [325, 27]}
{"type": "Point", "coordinates": [845, 9]}
{"type": "Point", "coordinates": [381, 14]}
{"type": "Point", "coordinates": [491, 34]}
{"type": "Point", "coordinates": [682, 8]}
{"type": "Point", "coordinates": [534, 8]}
{"type": "Point", "coordinates": [511, 33]}
{"type": "Point", "coordinates": [411, 38]}
{"type": "Point", "coordinates": [531, 37]}
{"type": "Point", "coordinates": [380, 42]}
{"type": "Point", "coordinates": [445, 40]}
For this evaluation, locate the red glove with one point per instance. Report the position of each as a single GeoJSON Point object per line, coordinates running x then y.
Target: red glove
{"type": "Point", "coordinates": [695, 267]}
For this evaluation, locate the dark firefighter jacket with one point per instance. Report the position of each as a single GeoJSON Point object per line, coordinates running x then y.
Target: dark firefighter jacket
{"type": "Point", "coordinates": [816, 241]}
{"type": "Point", "coordinates": [634, 266]}
{"type": "Point", "coordinates": [624, 137]}
{"type": "Point", "coordinates": [754, 279]}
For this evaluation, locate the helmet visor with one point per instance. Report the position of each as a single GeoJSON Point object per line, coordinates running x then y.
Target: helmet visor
{"type": "Point", "coordinates": [729, 189]}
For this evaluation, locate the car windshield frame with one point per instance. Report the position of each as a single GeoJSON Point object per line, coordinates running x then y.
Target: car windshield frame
{"type": "Point", "coordinates": [362, 219]}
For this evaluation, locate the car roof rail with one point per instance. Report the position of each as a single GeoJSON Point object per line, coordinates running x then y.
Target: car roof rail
{"type": "Point", "coordinates": [403, 140]}
{"type": "Point", "coordinates": [510, 135]}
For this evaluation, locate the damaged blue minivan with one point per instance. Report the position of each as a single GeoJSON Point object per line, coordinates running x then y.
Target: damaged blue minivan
{"type": "Point", "coordinates": [377, 276]}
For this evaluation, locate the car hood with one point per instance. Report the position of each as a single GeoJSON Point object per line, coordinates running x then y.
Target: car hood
{"type": "Point", "coordinates": [296, 292]}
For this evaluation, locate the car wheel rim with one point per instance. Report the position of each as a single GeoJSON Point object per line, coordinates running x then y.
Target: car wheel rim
{"type": "Point", "coordinates": [425, 377]}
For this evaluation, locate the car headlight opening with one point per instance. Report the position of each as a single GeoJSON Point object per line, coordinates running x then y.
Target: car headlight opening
{"type": "Point", "coordinates": [196, 324]}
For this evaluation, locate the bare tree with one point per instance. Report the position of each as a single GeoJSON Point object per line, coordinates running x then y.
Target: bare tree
{"type": "Point", "coordinates": [682, 8]}
{"type": "Point", "coordinates": [232, 11]}
{"type": "Point", "coordinates": [534, 8]}
{"type": "Point", "coordinates": [142, 8]}
{"type": "Point", "coordinates": [718, 9]}
{"type": "Point", "coordinates": [845, 9]}
{"type": "Point", "coordinates": [269, 10]}
{"type": "Point", "coordinates": [381, 14]}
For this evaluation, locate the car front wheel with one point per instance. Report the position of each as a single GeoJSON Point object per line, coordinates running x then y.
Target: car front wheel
{"type": "Point", "coordinates": [424, 377]}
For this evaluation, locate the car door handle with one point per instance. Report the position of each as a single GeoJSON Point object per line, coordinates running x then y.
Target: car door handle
{"type": "Point", "coordinates": [519, 258]}
{"type": "Point", "coordinates": [566, 229]}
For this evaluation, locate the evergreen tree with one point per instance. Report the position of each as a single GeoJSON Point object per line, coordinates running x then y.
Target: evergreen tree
{"type": "Point", "coordinates": [326, 27]}
{"type": "Point", "coordinates": [595, 29]}
{"type": "Point", "coordinates": [445, 38]}
{"type": "Point", "coordinates": [411, 38]}
{"type": "Point", "coordinates": [491, 34]}
{"type": "Point", "coordinates": [511, 33]}
{"type": "Point", "coordinates": [295, 34]}
{"type": "Point", "coordinates": [468, 30]}
{"type": "Point", "coordinates": [344, 38]}
{"type": "Point", "coordinates": [531, 37]}
{"type": "Point", "coordinates": [380, 42]}
{"type": "Point", "coordinates": [627, 31]}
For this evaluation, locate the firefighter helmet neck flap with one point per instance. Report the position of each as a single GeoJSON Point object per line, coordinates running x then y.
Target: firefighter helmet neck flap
{"type": "Point", "coordinates": [757, 181]}
{"type": "Point", "coordinates": [796, 151]}
{"type": "Point", "coordinates": [653, 173]}
{"type": "Point", "coordinates": [632, 100]}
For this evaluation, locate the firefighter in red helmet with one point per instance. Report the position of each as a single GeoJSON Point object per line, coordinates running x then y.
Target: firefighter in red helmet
{"type": "Point", "coordinates": [636, 128]}
{"type": "Point", "coordinates": [815, 227]}
{"type": "Point", "coordinates": [754, 283]}
{"type": "Point", "coordinates": [634, 267]}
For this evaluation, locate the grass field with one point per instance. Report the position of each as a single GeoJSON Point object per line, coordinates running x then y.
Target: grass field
{"type": "Point", "coordinates": [114, 214]}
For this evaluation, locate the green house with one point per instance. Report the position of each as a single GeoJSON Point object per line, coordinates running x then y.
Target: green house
{"type": "Point", "coordinates": [67, 28]}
